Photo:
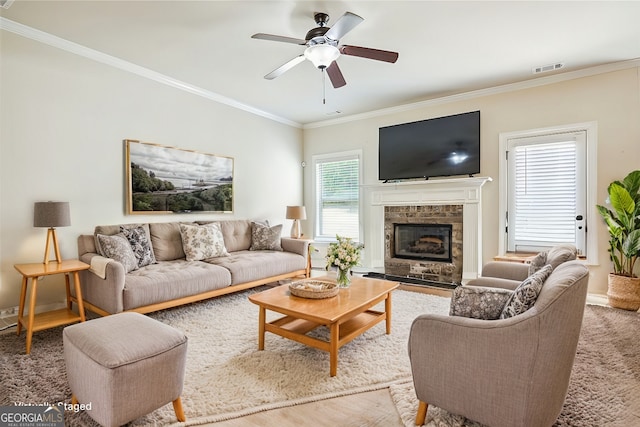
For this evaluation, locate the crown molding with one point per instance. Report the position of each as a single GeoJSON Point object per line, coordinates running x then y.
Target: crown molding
{"type": "Point", "coordinates": [75, 48]}
{"type": "Point", "coordinates": [527, 84]}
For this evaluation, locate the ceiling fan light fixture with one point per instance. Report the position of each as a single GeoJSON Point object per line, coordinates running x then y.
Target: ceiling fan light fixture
{"type": "Point", "coordinates": [322, 55]}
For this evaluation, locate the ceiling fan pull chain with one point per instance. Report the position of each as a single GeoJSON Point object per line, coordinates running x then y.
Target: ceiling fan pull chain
{"type": "Point", "coordinates": [324, 88]}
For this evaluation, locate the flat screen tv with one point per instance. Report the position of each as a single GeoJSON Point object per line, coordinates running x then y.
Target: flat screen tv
{"type": "Point", "coordinates": [444, 146]}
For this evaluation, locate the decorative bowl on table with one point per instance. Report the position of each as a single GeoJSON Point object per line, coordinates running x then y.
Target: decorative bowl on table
{"type": "Point", "coordinates": [314, 289]}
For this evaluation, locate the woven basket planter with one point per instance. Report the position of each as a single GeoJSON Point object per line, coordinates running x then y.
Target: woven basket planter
{"type": "Point", "coordinates": [624, 292]}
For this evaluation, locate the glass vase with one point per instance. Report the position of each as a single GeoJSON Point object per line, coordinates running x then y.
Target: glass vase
{"type": "Point", "coordinates": [344, 278]}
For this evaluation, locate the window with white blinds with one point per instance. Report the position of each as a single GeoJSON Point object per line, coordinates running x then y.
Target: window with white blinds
{"type": "Point", "coordinates": [546, 191]}
{"type": "Point", "coordinates": [337, 190]}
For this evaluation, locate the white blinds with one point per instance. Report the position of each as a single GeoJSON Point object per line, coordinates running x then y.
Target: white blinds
{"type": "Point", "coordinates": [547, 192]}
{"type": "Point", "coordinates": [338, 197]}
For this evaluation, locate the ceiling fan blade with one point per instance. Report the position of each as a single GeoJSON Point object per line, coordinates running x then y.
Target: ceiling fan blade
{"type": "Point", "coordinates": [335, 75]}
{"type": "Point", "coordinates": [273, 38]}
{"type": "Point", "coordinates": [343, 25]}
{"type": "Point", "coordinates": [285, 67]}
{"type": "Point", "coordinates": [365, 52]}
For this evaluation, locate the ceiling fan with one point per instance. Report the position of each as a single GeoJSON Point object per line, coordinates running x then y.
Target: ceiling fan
{"type": "Point", "coordinates": [323, 47]}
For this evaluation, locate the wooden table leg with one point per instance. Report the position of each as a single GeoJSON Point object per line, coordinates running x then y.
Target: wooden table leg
{"type": "Point", "coordinates": [387, 309]}
{"type": "Point", "coordinates": [261, 319]}
{"type": "Point", "coordinates": [68, 289]}
{"type": "Point", "coordinates": [32, 312]}
{"type": "Point", "coordinates": [23, 296]}
{"type": "Point", "coordinates": [333, 351]}
{"type": "Point", "coordinates": [76, 283]}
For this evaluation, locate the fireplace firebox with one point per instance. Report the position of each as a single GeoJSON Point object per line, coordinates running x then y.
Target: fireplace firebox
{"type": "Point", "coordinates": [429, 242]}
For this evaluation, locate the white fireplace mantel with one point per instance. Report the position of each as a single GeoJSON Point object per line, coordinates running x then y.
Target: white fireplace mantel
{"type": "Point", "coordinates": [449, 191]}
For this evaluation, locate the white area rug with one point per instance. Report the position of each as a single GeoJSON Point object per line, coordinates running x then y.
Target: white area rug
{"type": "Point", "coordinates": [226, 375]}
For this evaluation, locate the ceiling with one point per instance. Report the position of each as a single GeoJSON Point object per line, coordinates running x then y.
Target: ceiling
{"type": "Point", "coordinates": [445, 48]}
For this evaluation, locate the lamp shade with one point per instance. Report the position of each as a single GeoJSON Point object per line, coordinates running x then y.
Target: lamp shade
{"type": "Point", "coordinates": [322, 55]}
{"type": "Point", "coordinates": [51, 214]}
{"type": "Point", "coordinates": [296, 212]}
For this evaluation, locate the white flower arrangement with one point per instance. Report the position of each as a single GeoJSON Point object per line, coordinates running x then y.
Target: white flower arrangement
{"type": "Point", "coordinates": [343, 254]}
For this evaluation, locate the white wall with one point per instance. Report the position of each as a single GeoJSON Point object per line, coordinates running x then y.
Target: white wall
{"type": "Point", "coordinates": [63, 120]}
{"type": "Point", "coordinates": [611, 99]}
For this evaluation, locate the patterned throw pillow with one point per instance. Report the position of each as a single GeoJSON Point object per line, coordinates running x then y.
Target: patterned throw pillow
{"type": "Point", "coordinates": [202, 241]}
{"type": "Point", "coordinates": [478, 302]}
{"type": "Point", "coordinates": [265, 238]}
{"type": "Point", "coordinates": [525, 295]}
{"type": "Point", "coordinates": [140, 244]}
{"type": "Point", "coordinates": [538, 262]}
{"type": "Point", "coordinates": [117, 248]}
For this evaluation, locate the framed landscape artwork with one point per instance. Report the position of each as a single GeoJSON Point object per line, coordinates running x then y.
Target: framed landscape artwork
{"type": "Point", "coordinates": [163, 179]}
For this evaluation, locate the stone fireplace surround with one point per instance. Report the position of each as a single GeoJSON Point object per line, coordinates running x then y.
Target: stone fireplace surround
{"type": "Point", "coordinates": [465, 192]}
{"type": "Point", "coordinates": [433, 271]}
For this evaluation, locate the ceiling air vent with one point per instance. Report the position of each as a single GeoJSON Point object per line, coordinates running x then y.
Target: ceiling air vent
{"type": "Point", "coordinates": [547, 68]}
{"type": "Point", "coordinates": [5, 4]}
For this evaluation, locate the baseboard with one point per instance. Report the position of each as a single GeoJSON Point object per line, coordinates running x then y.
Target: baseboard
{"type": "Point", "coordinates": [597, 299]}
{"type": "Point", "coordinates": [9, 315]}
{"type": "Point", "coordinates": [8, 312]}
{"type": "Point", "coordinates": [13, 311]}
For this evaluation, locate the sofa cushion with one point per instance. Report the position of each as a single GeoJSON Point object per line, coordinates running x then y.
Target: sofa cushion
{"type": "Point", "coordinates": [166, 240]}
{"type": "Point", "coordinates": [168, 280]}
{"type": "Point", "coordinates": [247, 266]}
{"type": "Point", "coordinates": [265, 238]}
{"type": "Point", "coordinates": [110, 230]}
{"type": "Point", "coordinates": [237, 234]}
{"type": "Point", "coordinates": [202, 241]}
{"type": "Point", "coordinates": [140, 243]}
{"type": "Point", "coordinates": [526, 294]}
{"type": "Point", "coordinates": [117, 247]}
{"type": "Point", "coordinates": [478, 302]}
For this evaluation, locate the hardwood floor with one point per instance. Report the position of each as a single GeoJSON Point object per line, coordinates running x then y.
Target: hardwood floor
{"type": "Point", "coordinates": [370, 409]}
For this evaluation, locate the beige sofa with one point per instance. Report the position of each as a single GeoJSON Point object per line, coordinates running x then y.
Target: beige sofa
{"type": "Point", "coordinates": [172, 280]}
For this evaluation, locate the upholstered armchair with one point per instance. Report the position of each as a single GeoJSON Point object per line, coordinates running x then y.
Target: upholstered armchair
{"type": "Point", "coordinates": [505, 372]}
{"type": "Point", "coordinates": [508, 275]}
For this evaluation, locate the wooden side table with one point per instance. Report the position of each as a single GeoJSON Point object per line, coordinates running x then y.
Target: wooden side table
{"type": "Point", "coordinates": [523, 258]}
{"type": "Point", "coordinates": [51, 319]}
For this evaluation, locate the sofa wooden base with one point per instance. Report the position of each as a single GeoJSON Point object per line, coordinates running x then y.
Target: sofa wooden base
{"type": "Point", "coordinates": [202, 296]}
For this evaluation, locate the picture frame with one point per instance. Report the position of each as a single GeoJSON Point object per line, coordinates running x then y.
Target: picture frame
{"type": "Point", "coordinates": [164, 180]}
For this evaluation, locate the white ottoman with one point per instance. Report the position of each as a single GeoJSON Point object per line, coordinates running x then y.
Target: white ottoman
{"type": "Point", "coordinates": [125, 365]}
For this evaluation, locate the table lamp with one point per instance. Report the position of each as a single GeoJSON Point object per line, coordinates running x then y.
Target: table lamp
{"type": "Point", "coordinates": [296, 213]}
{"type": "Point", "coordinates": [51, 215]}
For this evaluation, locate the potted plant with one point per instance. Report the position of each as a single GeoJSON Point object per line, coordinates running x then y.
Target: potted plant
{"type": "Point", "coordinates": [623, 224]}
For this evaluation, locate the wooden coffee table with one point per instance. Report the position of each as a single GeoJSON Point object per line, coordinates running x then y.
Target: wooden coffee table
{"type": "Point", "coordinates": [347, 315]}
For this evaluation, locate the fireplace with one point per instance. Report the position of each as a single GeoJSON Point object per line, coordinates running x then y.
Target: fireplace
{"type": "Point", "coordinates": [429, 242]}
{"type": "Point", "coordinates": [454, 201]}
{"type": "Point", "coordinates": [424, 242]}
